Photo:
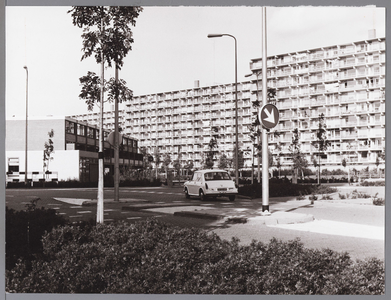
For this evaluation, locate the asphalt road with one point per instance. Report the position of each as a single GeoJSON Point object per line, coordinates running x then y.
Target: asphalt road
{"type": "Point", "coordinates": [130, 197]}
{"type": "Point", "coordinates": [341, 220]}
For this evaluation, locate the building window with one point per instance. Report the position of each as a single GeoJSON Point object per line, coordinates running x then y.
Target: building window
{"type": "Point", "coordinates": [13, 164]}
{"type": "Point", "coordinates": [70, 127]}
{"type": "Point", "coordinates": [90, 132]}
{"type": "Point", "coordinates": [80, 129]}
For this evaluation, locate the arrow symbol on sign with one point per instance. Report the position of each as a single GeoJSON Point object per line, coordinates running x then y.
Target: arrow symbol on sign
{"type": "Point", "coordinates": [270, 116]}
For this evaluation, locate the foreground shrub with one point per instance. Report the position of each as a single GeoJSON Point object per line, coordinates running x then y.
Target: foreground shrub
{"type": "Point", "coordinates": [154, 258]}
{"type": "Point", "coordinates": [277, 189]}
{"type": "Point", "coordinates": [325, 189]}
{"type": "Point", "coordinates": [373, 183]}
{"type": "Point", "coordinates": [24, 231]}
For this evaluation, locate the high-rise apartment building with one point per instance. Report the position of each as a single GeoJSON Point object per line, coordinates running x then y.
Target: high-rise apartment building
{"type": "Point", "coordinates": [345, 83]}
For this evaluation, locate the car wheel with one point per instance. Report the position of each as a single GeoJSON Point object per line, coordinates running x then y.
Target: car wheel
{"type": "Point", "coordinates": [187, 194]}
{"type": "Point", "coordinates": [231, 198]}
{"type": "Point", "coordinates": [202, 196]}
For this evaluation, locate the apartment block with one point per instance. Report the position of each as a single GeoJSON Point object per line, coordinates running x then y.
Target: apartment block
{"type": "Point", "coordinates": [345, 83]}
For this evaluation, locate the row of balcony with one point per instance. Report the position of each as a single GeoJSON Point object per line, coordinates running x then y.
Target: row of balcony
{"type": "Point", "coordinates": [331, 53]}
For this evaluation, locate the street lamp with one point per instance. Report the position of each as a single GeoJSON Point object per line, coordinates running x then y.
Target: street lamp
{"type": "Point", "coordinates": [25, 155]}
{"type": "Point", "coordinates": [236, 103]}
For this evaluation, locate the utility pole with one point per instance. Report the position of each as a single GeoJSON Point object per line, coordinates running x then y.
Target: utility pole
{"type": "Point", "coordinates": [116, 139]}
{"type": "Point", "coordinates": [265, 142]}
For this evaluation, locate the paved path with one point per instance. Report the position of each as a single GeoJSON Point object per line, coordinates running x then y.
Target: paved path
{"type": "Point", "coordinates": [356, 229]}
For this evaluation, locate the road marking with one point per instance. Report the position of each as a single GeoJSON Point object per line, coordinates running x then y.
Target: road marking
{"type": "Point", "coordinates": [62, 213]}
{"type": "Point", "coordinates": [75, 207]}
{"type": "Point", "coordinates": [75, 216]}
{"type": "Point", "coordinates": [110, 209]}
{"type": "Point", "coordinates": [133, 218]}
{"type": "Point", "coordinates": [337, 228]}
{"type": "Point", "coordinates": [84, 212]}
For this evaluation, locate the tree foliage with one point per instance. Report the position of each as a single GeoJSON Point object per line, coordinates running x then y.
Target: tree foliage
{"type": "Point", "coordinates": [107, 30]}
{"type": "Point", "coordinates": [300, 163]}
{"type": "Point", "coordinates": [48, 150]}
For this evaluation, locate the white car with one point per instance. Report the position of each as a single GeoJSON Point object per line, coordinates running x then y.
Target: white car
{"type": "Point", "coordinates": [210, 183]}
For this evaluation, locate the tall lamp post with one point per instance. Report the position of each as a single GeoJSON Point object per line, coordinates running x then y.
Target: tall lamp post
{"type": "Point", "coordinates": [236, 103]}
{"type": "Point", "coordinates": [25, 154]}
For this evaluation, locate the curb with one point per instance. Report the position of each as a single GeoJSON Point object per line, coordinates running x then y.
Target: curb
{"type": "Point", "coordinates": [194, 214]}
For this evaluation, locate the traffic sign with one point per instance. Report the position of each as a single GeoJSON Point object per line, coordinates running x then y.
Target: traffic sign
{"type": "Point", "coordinates": [110, 138]}
{"type": "Point", "coordinates": [269, 116]}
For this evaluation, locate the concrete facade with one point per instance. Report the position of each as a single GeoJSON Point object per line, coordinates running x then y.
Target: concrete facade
{"type": "Point", "coordinates": [345, 83]}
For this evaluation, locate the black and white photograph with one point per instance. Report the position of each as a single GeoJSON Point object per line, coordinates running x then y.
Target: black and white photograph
{"type": "Point", "coordinates": [195, 150]}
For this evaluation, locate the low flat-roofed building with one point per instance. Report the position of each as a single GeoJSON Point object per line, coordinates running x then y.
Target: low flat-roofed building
{"type": "Point", "coordinates": [75, 155]}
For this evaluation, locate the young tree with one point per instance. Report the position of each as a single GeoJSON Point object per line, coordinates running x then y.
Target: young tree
{"type": "Point", "coordinates": [299, 161]}
{"type": "Point", "coordinates": [189, 166]}
{"type": "Point", "coordinates": [321, 144]}
{"type": "Point", "coordinates": [157, 159]}
{"type": "Point", "coordinates": [108, 36]}
{"type": "Point", "coordinates": [166, 162]}
{"type": "Point", "coordinates": [212, 148]}
{"type": "Point", "coordinates": [346, 162]}
{"type": "Point", "coordinates": [47, 153]}
{"type": "Point", "coordinates": [240, 159]}
{"type": "Point", "coordinates": [223, 162]}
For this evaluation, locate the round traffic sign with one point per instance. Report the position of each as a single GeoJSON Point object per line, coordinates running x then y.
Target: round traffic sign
{"type": "Point", "coordinates": [269, 116]}
{"type": "Point", "coordinates": [111, 136]}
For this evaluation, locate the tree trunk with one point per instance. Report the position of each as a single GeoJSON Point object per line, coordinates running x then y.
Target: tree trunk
{"type": "Point", "coordinates": [99, 209]}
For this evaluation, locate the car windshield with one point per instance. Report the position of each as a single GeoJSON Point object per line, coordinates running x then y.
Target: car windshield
{"type": "Point", "coordinates": [216, 176]}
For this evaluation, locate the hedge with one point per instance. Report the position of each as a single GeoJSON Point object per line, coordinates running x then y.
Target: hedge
{"type": "Point", "coordinates": [373, 183]}
{"type": "Point", "coordinates": [108, 182]}
{"type": "Point", "coordinates": [277, 189]}
{"type": "Point", "coordinates": [151, 257]}
{"type": "Point", "coordinates": [24, 231]}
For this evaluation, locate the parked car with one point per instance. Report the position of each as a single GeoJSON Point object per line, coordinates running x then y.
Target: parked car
{"type": "Point", "coordinates": [210, 183]}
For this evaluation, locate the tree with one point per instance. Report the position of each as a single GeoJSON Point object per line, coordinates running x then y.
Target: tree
{"type": "Point", "coordinates": [278, 159]}
{"type": "Point", "coordinates": [108, 36]}
{"type": "Point", "coordinates": [166, 162]}
{"type": "Point", "coordinates": [157, 159]}
{"type": "Point", "coordinates": [47, 153]}
{"type": "Point", "coordinates": [240, 159]}
{"type": "Point", "coordinates": [212, 148]}
{"type": "Point", "coordinates": [224, 162]}
{"type": "Point", "coordinates": [347, 161]}
{"type": "Point", "coordinates": [189, 166]}
{"type": "Point", "coordinates": [90, 91]}
{"type": "Point", "coordinates": [321, 144]}
{"type": "Point", "coordinates": [298, 160]}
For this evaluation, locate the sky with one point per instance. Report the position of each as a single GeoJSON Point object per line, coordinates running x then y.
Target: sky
{"type": "Point", "coordinates": [170, 50]}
